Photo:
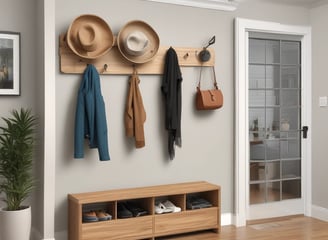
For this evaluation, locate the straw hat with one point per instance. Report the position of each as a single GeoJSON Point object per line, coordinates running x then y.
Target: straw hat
{"type": "Point", "coordinates": [138, 42]}
{"type": "Point", "coordinates": [89, 37]}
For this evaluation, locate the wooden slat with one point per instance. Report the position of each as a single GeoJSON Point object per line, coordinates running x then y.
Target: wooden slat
{"type": "Point", "coordinates": [117, 64]}
{"type": "Point", "coordinates": [143, 192]}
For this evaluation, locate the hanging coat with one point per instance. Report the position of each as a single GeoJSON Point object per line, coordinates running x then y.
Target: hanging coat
{"type": "Point", "coordinates": [171, 89]}
{"type": "Point", "coordinates": [90, 116]}
{"type": "Point", "coordinates": [135, 115]}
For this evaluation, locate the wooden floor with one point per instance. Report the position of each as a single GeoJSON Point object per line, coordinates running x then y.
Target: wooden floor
{"type": "Point", "coordinates": [292, 228]}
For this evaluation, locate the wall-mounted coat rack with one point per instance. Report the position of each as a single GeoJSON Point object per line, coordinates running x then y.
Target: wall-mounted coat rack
{"type": "Point", "coordinates": [114, 63]}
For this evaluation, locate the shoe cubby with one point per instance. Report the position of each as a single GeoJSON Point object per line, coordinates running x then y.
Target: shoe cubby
{"type": "Point", "coordinates": [202, 200]}
{"type": "Point", "coordinates": [96, 208]}
{"type": "Point", "coordinates": [144, 222]}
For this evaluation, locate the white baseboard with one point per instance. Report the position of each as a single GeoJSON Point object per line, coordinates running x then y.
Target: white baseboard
{"type": "Point", "coordinates": [226, 219]}
{"type": "Point", "coordinates": [320, 213]}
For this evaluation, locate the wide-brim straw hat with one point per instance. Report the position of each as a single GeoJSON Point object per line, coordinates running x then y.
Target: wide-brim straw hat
{"type": "Point", "coordinates": [89, 36]}
{"type": "Point", "coordinates": [138, 42]}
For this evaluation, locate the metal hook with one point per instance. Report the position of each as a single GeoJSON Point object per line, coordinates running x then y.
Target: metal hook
{"type": "Point", "coordinates": [210, 42]}
{"type": "Point", "coordinates": [186, 55]}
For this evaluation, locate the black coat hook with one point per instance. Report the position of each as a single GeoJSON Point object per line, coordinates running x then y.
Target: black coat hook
{"type": "Point", "coordinates": [205, 55]}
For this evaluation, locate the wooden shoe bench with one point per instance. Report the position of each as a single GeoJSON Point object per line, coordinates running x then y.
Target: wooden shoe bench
{"type": "Point", "coordinates": [152, 225]}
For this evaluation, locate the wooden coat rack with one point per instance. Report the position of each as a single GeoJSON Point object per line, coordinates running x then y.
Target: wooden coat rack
{"type": "Point", "coordinates": [114, 63]}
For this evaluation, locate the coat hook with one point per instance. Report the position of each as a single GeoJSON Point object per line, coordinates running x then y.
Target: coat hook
{"type": "Point", "coordinates": [104, 68]}
{"type": "Point", "coordinates": [186, 55]}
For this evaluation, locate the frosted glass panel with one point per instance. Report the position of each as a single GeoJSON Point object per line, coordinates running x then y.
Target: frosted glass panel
{"type": "Point", "coordinates": [257, 193]}
{"type": "Point", "coordinates": [257, 119]}
{"type": "Point", "coordinates": [257, 151]}
{"type": "Point", "coordinates": [272, 52]}
{"type": "Point", "coordinates": [257, 98]}
{"type": "Point", "coordinates": [290, 52]}
{"type": "Point", "coordinates": [272, 98]}
{"type": "Point", "coordinates": [272, 76]}
{"type": "Point", "coordinates": [291, 189]}
{"type": "Point", "coordinates": [272, 150]}
{"type": "Point", "coordinates": [290, 119]}
{"type": "Point", "coordinates": [274, 120]}
{"type": "Point", "coordinates": [273, 191]}
{"type": "Point", "coordinates": [290, 98]}
{"type": "Point", "coordinates": [257, 171]}
{"type": "Point", "coordinates": [257, 51]}
{"type": "Point", "coordinates": [291, 169]}
{"type": "Point", "coordinates": [290, 149]}
{"type": "Point", "coordinates": [273, 171]}
{"type": "Point", "coordinates": [290, 77]}
{"type": "Point", "coordinates": [256, 76]}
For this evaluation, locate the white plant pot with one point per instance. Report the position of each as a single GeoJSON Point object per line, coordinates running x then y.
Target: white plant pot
{"type": "Point", "coordinates": [15, 225]}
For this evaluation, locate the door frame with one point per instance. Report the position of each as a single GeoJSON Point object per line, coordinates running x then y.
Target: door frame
{"type": "Point", "coordinates": [242, 28]}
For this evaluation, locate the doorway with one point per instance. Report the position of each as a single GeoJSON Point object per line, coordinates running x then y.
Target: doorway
{"type": "Point", "coordinates": [273, 88]}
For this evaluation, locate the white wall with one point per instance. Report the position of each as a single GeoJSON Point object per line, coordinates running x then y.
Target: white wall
{"type": "Point", "coordinates": [207, 152]}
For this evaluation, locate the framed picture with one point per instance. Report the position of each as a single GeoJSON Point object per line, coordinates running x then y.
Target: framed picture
{"type": "Point", "coordinates": [9, 63]}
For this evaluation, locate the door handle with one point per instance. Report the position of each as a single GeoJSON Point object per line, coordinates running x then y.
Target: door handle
{"type": "Point", "coordinates": [305, 129]}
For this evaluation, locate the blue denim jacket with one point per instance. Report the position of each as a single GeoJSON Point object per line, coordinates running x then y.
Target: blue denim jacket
{"type": "Point", "coordinates": [90, 116]}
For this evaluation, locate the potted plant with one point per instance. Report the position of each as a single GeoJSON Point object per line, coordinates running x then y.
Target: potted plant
{"type": "Point", "coordinates": [17, 142]}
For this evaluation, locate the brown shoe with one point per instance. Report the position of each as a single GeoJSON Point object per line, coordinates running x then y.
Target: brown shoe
{"type": "Point", "coordinates": [90, 217]}
{"type": "Point", "coordinates": [103, 216]}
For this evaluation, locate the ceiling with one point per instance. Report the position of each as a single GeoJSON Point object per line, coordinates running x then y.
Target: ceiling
{"type": "Point", "coordinates": [307, 3]}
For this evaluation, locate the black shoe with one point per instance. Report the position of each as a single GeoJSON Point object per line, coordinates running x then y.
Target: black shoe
{"type": "Point", "coordinates": [122, 211]}
{"type": "Point", "coordinates": [194, 202]}
{"type": "Point", "coordinates": [135, 209]}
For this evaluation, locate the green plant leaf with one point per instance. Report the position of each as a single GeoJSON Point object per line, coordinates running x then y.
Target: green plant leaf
{"type": "Point", "coordinates": [17, 143]}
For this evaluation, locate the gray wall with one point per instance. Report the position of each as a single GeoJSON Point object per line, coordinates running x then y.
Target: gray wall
{"type": "Point", "coordinates": [21, 16]}
{"type": "Point", "coordinates": [319, 20]}
{"type": "Point", "coordinates": [207, 152]}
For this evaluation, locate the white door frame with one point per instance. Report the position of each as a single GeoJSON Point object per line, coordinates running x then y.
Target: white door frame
{"type": "Point", "coordinates": [242, 28]}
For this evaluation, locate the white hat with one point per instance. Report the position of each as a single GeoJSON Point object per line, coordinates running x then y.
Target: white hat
{"type": "Point", "coordinates": [138, 42]}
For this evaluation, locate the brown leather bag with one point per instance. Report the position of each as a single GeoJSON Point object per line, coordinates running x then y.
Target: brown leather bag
{"type": "Point", "coordinates": [209, 99]}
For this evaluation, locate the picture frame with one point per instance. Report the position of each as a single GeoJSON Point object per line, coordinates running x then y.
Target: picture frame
{"type": "Point", "coordinates": [10, 63]}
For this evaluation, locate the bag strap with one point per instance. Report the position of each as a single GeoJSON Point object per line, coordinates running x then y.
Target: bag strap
{"type": "Point", "coordinates": [214, 75]}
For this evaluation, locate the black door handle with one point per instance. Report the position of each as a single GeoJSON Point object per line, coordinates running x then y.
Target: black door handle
{"type": "Point", "coordinates": [305, 129]}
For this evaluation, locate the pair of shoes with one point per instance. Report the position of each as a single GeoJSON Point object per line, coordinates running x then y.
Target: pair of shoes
{"type": "Point", "coordinates": [135, 209]}
{"type": "Point", "coordinates": [129, 209]}
{"type": "Point", "coordinates": [95, 216]}
{"type": "Point", "coordinates": [194, 202]}
{"type": "Point", "coordinates": [166, 207]}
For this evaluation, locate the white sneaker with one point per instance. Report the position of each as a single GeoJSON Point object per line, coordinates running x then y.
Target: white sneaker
{"type": "Point", "coordinates": [169, 205]}
{"type": "Point", "coordinates": [160, 208]}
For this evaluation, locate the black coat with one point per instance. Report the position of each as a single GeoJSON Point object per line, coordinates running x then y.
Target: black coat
{"type": "Point", "coordinates": [171, 89]}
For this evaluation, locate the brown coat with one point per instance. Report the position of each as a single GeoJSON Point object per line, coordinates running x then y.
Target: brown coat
{"type": "Point", "coordinates": [135, 115]}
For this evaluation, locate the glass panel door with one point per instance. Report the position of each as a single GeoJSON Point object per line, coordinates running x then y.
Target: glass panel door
{"type": "Point", "coordinates": [274, 120]}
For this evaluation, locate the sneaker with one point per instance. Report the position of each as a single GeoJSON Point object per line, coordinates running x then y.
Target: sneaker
{"type": "Point", "coordinates": [122, 211]}
{"type": "Point", "coordinates": [90, 217]}
{"type": "Point", "coordinates": [160, 208]}
{"type": "Point", "coordinates": [135, 209]}
{"type": "Point", "coordinates": [103, 216]}
{"type": "Point", "coordinates": [169, 205]}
